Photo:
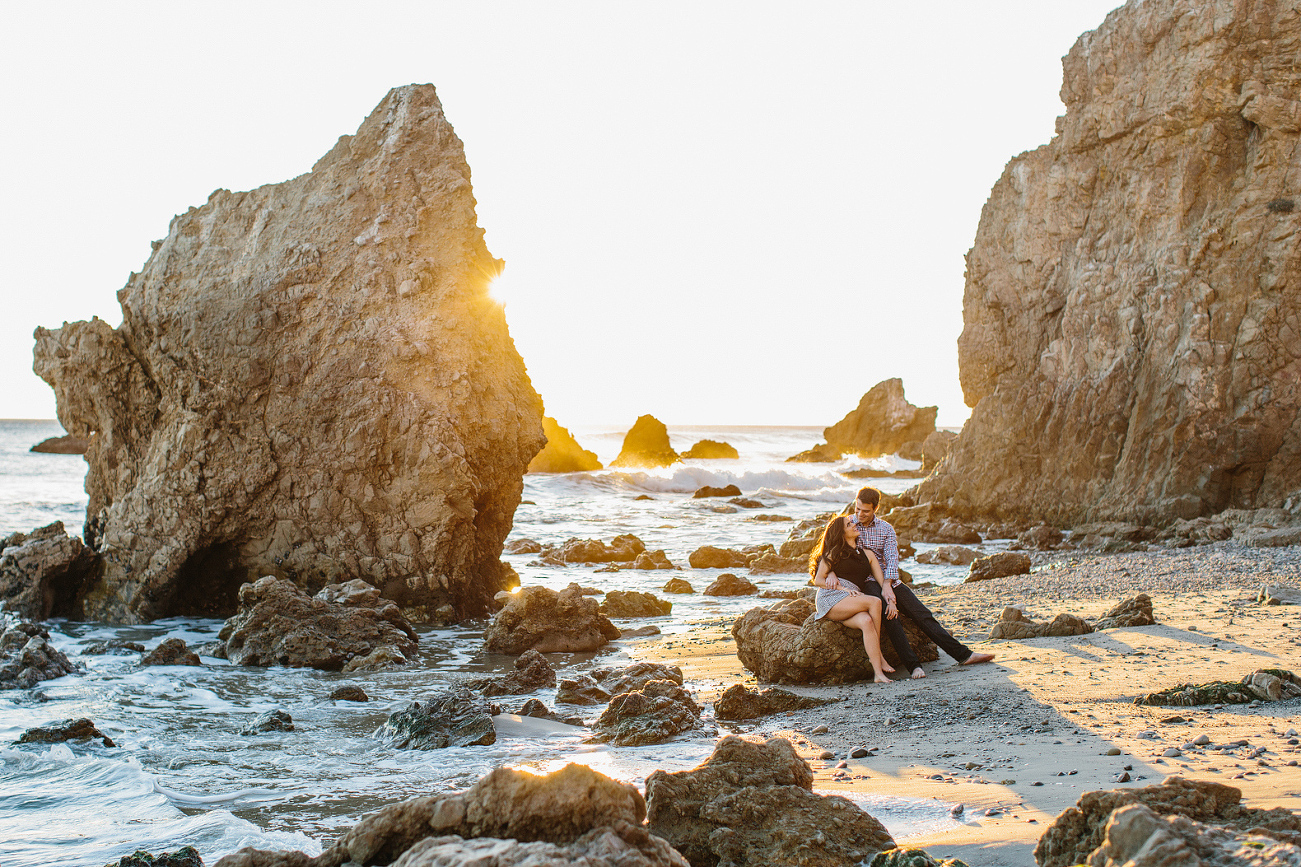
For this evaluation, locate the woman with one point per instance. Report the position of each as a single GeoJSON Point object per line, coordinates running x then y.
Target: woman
{"type": "Point", "coordinates": [841, 573]}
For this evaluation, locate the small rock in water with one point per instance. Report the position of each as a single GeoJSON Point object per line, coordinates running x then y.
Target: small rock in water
{"type": "Point", "coordinates": [173, 651]}
{"type": "Point", "coordinates": [858, 752]}
{"type": "Point", "coordinates": [271, 721]}
{"type": "Point", "coordinates": [957, 810]}
{"type": "Point", "coordinates": [186, 856]}
{"type": "Point", "coordinates": [351, 692]}
{"type": "Point", "coordinates": [65, 730]}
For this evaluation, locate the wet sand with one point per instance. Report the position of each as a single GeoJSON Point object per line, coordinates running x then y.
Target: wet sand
{"type": "Point", "coordinates": [1019, 740]}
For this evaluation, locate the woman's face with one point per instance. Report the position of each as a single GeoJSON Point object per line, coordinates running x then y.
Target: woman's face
{"type": "Point", "coordinates": [851, 534]}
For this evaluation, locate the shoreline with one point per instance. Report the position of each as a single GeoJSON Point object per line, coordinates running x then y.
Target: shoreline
{"type": "Point", "coordinates": [1047, 710]}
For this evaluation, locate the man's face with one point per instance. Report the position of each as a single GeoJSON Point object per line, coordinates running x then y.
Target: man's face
{"type": "Point", "coordinates": [864, 512]}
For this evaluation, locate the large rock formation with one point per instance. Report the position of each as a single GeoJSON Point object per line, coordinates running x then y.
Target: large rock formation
{"type": "Point", "coordinates": [1131, 346]}
{"type": "Point", "coordinates": [310, 381]}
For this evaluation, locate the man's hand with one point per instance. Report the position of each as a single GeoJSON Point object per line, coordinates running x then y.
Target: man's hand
{"type": "Point", "coordinates": [891, 609]}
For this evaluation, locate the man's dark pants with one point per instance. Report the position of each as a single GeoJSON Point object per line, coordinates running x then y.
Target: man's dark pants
{"type": "Point", "coordinates": [911, 607]}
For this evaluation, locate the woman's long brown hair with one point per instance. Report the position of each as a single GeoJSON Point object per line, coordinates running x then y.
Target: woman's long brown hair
{"type": "Point", "coordinates": [831, 545]}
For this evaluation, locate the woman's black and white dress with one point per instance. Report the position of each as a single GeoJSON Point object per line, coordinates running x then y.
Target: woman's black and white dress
{"type": "Point", "coordinates": [855, 569]}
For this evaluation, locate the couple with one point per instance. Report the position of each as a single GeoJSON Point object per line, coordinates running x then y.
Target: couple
{"type": "Point", "coordinates": [856, 569]}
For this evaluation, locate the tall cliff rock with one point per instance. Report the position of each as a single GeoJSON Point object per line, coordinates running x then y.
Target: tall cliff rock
{"type": "Point", "coordinates": [1132, 340]}
{"type": "Point", "coordinates": [310, 381]}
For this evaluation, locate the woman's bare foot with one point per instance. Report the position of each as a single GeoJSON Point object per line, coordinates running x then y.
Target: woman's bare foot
{"type": "Point", "coordinates": [885, 666]}
{"type": "Point", "coordinates": [918, 673]}
{"type": "Point", "coordinates": [881, 678]}
{"type": "Point", "coordinates": [978, 658]}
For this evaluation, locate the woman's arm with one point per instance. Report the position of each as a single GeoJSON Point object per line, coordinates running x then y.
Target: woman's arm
{"type": "Point", "coordinates": [825, 578]}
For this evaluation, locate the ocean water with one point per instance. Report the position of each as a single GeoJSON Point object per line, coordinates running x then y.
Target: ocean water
{"type": "Point", "coordinates": [182, 774]}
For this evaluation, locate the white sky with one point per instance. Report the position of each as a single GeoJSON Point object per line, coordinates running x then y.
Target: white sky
{"type": "Point", "coordinates": [707, 210]}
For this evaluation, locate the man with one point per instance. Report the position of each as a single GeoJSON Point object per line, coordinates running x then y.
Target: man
{"type": "Point", "coordinates": [877, 536]}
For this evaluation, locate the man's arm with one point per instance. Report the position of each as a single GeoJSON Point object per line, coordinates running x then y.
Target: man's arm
{"type": "Point", "coordinates": [890, 562]}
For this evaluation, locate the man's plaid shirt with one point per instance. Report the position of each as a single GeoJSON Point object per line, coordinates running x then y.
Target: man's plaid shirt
{"type": "Point", "coordinates": [879, 538]}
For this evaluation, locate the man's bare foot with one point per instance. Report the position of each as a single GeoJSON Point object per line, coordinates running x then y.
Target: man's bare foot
{"type": "Point", "coordinates": [918, 673]}
{"type": "Point", "coordinates": [978, 658]}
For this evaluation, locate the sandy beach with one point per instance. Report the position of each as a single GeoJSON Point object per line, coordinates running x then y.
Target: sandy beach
{"type": "Point", "coordinates": [1019, 740]}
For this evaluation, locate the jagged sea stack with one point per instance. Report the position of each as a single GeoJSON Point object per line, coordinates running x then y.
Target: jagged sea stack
{"type": "Point", "coordinates": [1132, 339]}
{"type": "Point", "coordinates": [310, 381]}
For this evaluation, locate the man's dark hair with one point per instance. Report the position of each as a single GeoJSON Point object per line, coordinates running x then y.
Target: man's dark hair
{"type": "Point", "coordinates": [870, 496]}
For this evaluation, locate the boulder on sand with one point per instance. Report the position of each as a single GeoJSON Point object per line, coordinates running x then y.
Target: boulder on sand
{"type": "Point", "coordinates": [784, 644]}
{"type": "Point", "coordinates": [753, 803]}
{"type": "Point", "coordinates": [649, 714]}
{"type": "Point", "coordinates": [1136, 611]}
{"type": "Point", "coordinates": [1014, 625]}
{"type": "Point", "coordinates": [1078, 831]}
{"type": "Point", "coordinates": [562, 453]}
{"type": "Point", "coordinates": [632, 603]}
{"type": "Point", "coordinates": [1265, 684]}
{"type": "Point", "coordinates": [571, 816]}
{"type": "Point", "coordinates": [44, 573]}
{"type": "Point", "coordinates": [728, 584]}
{"type": "Point", "coordinates": [310, 381]}
{"type": "Point", "coordinates": [883, 422]}
{"type": "Point", "coordinates": [646, 445]}
{"type": "Point", "coordinates": [279, 624]}
{"type": "Point", "coordinates": [549, 621]}
{"type": "Point", "coordinates": [739, 703]}
{"type": "Point", "coordinates": [1137, 836]}
{"type": "Point", "coordinates": [999, 565]}
{"type": "Point", "coordinates": [636, 676]}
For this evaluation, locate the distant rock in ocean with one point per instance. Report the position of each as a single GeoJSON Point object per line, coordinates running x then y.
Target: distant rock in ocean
{"type": "Point", "coordinates": [562, 453]}
{"type": "Point", "coordinates": [64, 445]}
{"type": "Point", "coordinates": [711, 450]}
{"type": "Point", "coordinates": [883, 423]}
{"type": "Point", "coordinates": [646, 445]}
{"type": "Point", "coordinates": [1130, 347]}
{"type": "Point", "coordinates": [310, 381]}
